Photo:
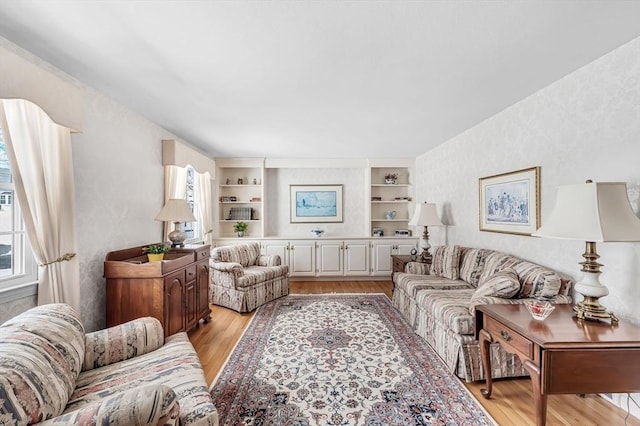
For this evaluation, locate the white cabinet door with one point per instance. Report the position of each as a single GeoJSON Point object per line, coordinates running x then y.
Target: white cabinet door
{"type": "Point", "coordinates": [279, 247]}
{"type": "Point", "coordinates": [404, 247]}
{"type": "Point", "coordinates": [329, 257]}
{"type": "Point", "coordinates": [356, 257]}
{"type": "Point", "coordinates": [381, 257]}
{"type": "Point", "coordinates": [302, 258]}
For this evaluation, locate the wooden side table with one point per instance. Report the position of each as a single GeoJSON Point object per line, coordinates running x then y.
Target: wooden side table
{"type": "Point", "coordinates": [562, 354]}
{"type": "Point", "coordinates": [399, 261]}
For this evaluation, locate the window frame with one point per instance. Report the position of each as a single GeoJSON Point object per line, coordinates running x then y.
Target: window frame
{"type": "Point", "coordinates": [24, 283]}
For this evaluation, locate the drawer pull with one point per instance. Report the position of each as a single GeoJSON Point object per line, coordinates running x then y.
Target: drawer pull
{"type": "Point", "coordinates": [505, 335]}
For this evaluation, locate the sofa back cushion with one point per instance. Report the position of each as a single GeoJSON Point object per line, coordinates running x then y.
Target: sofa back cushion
{"type": "Point", "coordinates": [41, 353]}
{"type": "Point", "coordinates": [472, 264]}
{"type": "Point", "coordinates": [446, 262]}
{"type": "Point", "coordinates": [535, 280]}
{"type": "Point", "coordinates": [244, 254]}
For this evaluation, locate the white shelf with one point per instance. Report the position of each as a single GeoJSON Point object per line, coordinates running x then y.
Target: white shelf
{"type": "Point", "coordinates": [238, 220]}
{"type": "Point", "coordinates": [390, 202]}
{"type": "Point", "coordinates": [240, 202]}
{"type": "Point", "coordinates": [389, 220]}
{"type": "Point", "coordinates": [239, 186]}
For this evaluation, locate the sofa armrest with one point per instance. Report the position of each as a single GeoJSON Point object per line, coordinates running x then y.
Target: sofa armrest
{"type": "Point", "coordinates": [417, 268]}
{"type": "Point", "coordinates": [122, 342]}
{"type": "Point", "coordinates": [272, 260]}
{"type": "Point", "coordinates": [148, 405]}
{"type": "Point", "coordinates": [229, 267]}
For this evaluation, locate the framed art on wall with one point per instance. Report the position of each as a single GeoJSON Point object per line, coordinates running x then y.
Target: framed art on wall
{"type": "Point", "coordinates": [510, 202]}
{"type": "Point", "coordinates": [316, 203]}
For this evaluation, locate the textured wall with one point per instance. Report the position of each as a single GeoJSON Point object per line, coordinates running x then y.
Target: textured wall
{"type": "Point", "coordinates": [584, 126]}
{"type": "Point", "coordinates": [277, 198]}
{"type": "Point", "coordinates": [119, 190]}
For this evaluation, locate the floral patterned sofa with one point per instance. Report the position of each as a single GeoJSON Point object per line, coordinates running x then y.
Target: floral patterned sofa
{"type": "Point", "coordinates": [51, 372]}
{"type": "Point", "coordinates": [242, 279]}
{"type": "Point", "coordinates": [439, 301]}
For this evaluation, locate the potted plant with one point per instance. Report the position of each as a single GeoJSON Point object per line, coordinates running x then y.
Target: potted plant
{"type": "Point", "coordinates": [391, 178]}
{"type": "Point", "coordinates": [239, 228]}
{"type": "Point", "coordinates": [155, 252]}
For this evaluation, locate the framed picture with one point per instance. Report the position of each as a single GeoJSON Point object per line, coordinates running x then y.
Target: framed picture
{"type": "Point", "coordinates": [510, 202]}
{"type": "Point", "coordinates": [316, 203]}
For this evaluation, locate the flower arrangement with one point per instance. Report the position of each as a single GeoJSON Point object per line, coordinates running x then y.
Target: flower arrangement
{"type": "Point", "coordinates": [391, 177]}
{"type": "Point", "coordinates": [157, 249]}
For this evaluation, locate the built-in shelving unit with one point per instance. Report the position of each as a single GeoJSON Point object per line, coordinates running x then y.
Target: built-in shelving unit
{"type": "Point", "coordinates": [387, 197]}
{"type": "Point", "coordinates": [240, 195]}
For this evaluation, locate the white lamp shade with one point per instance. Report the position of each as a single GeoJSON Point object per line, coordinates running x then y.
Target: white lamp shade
{"type": "Point", "coordinates": [425, 214]}
{"type": "Point", "coordinates": [594, 211]}
{"type": "Point", "coordinates": [176, 210]}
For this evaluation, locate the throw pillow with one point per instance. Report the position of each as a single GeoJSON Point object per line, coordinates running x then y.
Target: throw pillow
{"type": "Point", "coordinates": [445, 262]}
{"type": "Point", "coordinates": [503, 283]}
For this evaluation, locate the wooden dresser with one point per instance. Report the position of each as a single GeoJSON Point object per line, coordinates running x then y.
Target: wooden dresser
{"type": "Point", "coordinates": [174, 290]}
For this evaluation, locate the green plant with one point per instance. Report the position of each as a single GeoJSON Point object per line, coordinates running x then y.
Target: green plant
{"type": "Point", "coordinates": [157, 248]}
{"type": "Point", "coordinates": [240, 227]}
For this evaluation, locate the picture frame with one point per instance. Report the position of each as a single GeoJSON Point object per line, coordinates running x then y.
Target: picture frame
{"type": "Point", "coordinates": [315, 203]}
{"type": "Point", "coordinates": [510, 202]}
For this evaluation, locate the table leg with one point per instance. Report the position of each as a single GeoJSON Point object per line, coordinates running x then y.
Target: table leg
{"type": "Point", "coordinates": [539, 399]}
{"type": "Point", "coordinates": [485, 342]}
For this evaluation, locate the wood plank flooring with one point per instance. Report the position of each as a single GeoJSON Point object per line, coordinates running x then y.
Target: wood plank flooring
{"type": "Point", "coordinates": [510, 405]}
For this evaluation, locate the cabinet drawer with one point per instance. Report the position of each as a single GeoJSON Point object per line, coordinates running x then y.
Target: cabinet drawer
{"type": "Point", "coordinates": [203, 253]}
{"type": "Point", "coordinates": [191, 272]}
{"type": "Point", "coordinates": [508, 338]}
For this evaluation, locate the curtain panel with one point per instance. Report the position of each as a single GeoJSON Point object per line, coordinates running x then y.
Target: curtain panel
{"type": "Point", "coordinates": [39, 152]}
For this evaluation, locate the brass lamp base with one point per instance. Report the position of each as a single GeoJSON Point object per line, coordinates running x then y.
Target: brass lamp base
{"type": "Point", "coordinates": [590, 309]}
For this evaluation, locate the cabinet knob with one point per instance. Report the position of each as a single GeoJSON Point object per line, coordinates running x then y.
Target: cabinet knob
{"type": "Point", "coordinates": [505, 335]}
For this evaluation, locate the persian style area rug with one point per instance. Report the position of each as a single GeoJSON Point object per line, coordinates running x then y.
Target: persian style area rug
{"type": "Point", "coordinates": [338, 360]}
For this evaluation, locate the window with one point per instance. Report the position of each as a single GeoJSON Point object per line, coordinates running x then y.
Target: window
{"type": "Point", "coordinates": [17, 265]}
{"type": "Point", "coordinates": [193, 230]}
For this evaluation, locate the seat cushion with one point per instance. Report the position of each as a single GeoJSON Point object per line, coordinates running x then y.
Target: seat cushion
{"type": "Point", "coordinates": [41, 354]}
{"type": "Point", "coordinates": [175, 365]}
{"type": "Point", "coordinates": [411, 284]}
{"type": "Point", "coordinates": [259, 274]}
{"type": "Point", "coordinates": [449, 308]}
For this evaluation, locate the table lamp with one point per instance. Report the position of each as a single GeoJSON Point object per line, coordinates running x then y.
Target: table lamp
{"type": "Point", "coordinates": [425, 215]}
{"type": "Point", "coordinates": [592, 212]}
{"type": "Point", "coordinates": [176, 210]}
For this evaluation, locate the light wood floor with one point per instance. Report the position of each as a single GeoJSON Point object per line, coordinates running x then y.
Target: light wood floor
{"type": "Point", "coordinates": [510, 405]}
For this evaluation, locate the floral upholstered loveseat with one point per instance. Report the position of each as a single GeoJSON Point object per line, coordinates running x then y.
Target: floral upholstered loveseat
{"type": "Point", "coordinates": [242, 279]}
{"type": "Point", "coordinates": [51, 372]}
{"type": "Point", "coordinates": [439, 301]}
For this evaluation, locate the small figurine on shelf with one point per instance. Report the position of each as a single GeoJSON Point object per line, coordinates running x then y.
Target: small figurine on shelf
{"type": "Point", "coordinates": [255, 181]}
{"type": "Point", "coordinates": [240, 181]}
{"type": "Point", "coordinates": [391, 178]}
{"type": "Point", "coordinates": [228, 181]}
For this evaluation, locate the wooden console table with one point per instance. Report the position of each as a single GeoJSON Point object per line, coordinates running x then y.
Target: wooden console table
{"type": "Point", "coordinates": [174, 290]}
{"type": "Point", "coordinates": [562, 354]}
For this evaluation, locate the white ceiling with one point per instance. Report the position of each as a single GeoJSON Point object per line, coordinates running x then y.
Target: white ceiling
{"type": "Point", "coordinates": [343, 79]}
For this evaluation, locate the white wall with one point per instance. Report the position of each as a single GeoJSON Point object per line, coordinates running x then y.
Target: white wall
{"type": "Point", "coordinates": [584, 126]}
{"type": "Point", "coordinates": [277, 196]}
{"type": "Point", "coordinates": [119, 190]}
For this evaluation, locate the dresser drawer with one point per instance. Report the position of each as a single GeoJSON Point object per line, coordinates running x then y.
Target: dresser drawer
{"type": "Point", "coordinates": [508, 338]}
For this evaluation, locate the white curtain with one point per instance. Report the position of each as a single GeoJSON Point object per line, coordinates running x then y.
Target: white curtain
{"type": "Point", "coordinates": [39, 152]}
{"type": "Point", "coordinates": [175, 186]}
{"type": "Point", "coordinates": [205, 215]}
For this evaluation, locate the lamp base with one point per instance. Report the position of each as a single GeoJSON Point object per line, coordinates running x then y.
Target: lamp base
{"type": "Point", "coordinates": [590, 309]}
{"type": "Point", "coordinates": [177, 238]}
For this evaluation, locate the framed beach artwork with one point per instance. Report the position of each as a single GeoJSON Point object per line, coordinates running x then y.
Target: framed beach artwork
{"type": "Point", "coordinates": [316, 203]}
{"type": "Point", "coordinates": [510, 202]}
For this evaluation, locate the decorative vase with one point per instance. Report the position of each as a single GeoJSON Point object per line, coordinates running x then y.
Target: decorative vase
{"type": "Point", "coordinates": [155, 257]}
{"type": "Point", "coordinates": [390, 181]}
{"type": "Point", "coordinates": [240, 233]}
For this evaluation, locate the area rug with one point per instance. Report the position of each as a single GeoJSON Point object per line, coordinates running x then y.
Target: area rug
{"type": "Point", "coordinates": [338, 360]}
